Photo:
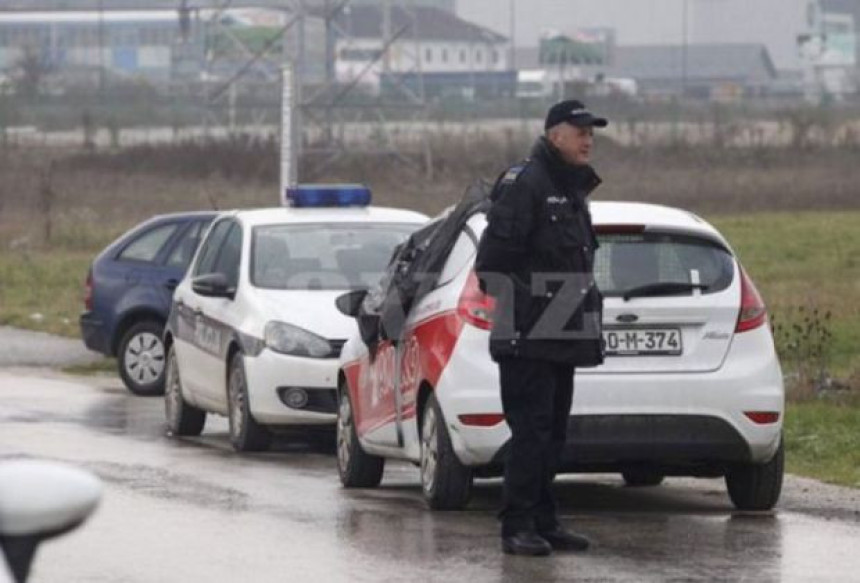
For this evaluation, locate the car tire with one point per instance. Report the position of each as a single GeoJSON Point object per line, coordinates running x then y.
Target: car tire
{"type": "Point", "coordinates": [246, 434]}
{"type": "Point", "coordinates": [182, 419]}
{"type": "Point", "coordinates": [757, 486]}
{"type": "Point", "coordinates": [141, 358]}
{"type": "Point", "coordinates": [357, 468]}
{"type": "Point", "coordinates": [445, 482]}
{"type": "Point", "coordinates": [642, 478]}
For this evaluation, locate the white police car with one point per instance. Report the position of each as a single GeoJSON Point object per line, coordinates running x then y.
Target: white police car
{"type": "Point", "coordinates": [691, 384]}
{"type": "Point", "coordinates": [253, 332]}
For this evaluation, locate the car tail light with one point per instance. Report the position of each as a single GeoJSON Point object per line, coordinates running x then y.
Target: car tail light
{"type": "Point", "coordinates": [762, 417]}
{"type": "Point", "coordinates": [482, 419]}
{"type": "Point", "coordinates": [753, 312]}
{"type": "Point", "coordinates": [88, 291]}
{"type": "Point", "coordinates": [476, 307]}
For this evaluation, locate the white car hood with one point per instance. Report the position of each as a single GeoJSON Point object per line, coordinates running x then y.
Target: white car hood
{"type": "Point", "coordinates": [312, 310]}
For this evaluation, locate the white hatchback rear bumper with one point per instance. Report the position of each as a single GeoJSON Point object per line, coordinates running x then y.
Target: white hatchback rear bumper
{"type": "Point", "coordinates": [657, 411]}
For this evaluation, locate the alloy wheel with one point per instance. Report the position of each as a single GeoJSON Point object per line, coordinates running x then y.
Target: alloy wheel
{"type": "Point", "coordinates": [173, 397]}
{"type": "Point", "coordinates": [144, 358]}
{"type": "Point", "coordinates": [344, 432]}
{"type": "Point", "coordinates": [237, 401]}
{"type": "Point", "coordinates": [429, 450]}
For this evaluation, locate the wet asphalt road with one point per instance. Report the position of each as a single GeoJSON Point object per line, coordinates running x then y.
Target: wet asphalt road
{"type": "Point", "coordinates": [193, 510]}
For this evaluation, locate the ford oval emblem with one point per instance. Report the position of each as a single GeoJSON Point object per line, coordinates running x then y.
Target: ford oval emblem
{"type": "Point", "coordinates": [627, 318]}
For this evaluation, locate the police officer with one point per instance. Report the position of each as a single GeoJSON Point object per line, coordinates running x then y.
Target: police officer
{"type": "Point", "coordinates": [536, 257]}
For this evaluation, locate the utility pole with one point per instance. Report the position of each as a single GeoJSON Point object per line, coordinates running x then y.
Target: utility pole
{"type": "Point", "coordinates": [386, 35]}
{"type": "Point", "coordinates": [101, 51]}
{"type": "Point", "coordinates": [684, 48]}
{"type": "Point", "coordinates": [330, 72]}
{"type": "Point", "coordinates": [289, 133]}
{"type": "Point", "coordinates": [513, 33]}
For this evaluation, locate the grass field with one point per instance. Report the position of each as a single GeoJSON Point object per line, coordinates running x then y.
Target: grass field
{"type": "Point", "coordinates": [43, 290]}
{"type": "Point", "coordinates": [809, 260]}
{"type": "Point", "coordinates": [822, 440]}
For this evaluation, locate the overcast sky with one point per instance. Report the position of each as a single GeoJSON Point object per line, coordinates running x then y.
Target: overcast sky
{"type": "Point", "coordinates": [774, 23]}
{"type": "Point", "coordinates": [637, 21]}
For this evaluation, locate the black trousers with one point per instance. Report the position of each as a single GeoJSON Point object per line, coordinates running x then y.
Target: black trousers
{"type": "Point", "coordinates": [536, 399]}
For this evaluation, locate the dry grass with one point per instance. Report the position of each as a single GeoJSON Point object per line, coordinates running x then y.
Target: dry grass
{"type": "Point", "coordinates": [98, 195]}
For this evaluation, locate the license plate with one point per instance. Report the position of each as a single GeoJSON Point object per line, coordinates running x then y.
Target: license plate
{"type": "Point", "coordinates": [643, 342]}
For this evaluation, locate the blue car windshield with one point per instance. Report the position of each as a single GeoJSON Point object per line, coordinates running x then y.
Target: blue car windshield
{"type": "Point", "coordinates": [332, 256]}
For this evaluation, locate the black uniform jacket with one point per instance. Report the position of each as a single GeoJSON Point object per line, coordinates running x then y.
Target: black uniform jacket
{"type": "Point", "coordinates": [536, 258]}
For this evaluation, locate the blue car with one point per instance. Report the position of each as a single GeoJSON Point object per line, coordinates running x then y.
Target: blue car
{"type": "Point", "coordinates": [129, 289]}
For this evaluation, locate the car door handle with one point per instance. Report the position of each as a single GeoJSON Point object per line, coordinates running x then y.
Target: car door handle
{"type": "Point", "coordinates": [198, 312]}
{"type": "Point", "coordinates": [171, 284]}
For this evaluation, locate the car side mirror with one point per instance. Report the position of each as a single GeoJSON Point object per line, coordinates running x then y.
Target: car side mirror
{"type": "Point", "coordinates": [40, 500]}
{"type": "Point", "coordinates": [213, 285]}
{"type": "Point", "coordinates": [350, 303]}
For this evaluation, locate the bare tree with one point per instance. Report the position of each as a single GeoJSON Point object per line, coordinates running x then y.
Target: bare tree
{"type": "Point", "coordinates": [31, 68]}
{"type": "Point", "coordinates": [47, 198]}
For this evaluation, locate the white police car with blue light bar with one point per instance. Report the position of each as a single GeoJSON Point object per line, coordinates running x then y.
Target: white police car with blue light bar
{"type": "Point", "coordinates": [253, 332]}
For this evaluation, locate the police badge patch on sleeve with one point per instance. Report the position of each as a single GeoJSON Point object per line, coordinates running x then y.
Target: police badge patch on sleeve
{"type": "Point", "coordinates": [512, 173]}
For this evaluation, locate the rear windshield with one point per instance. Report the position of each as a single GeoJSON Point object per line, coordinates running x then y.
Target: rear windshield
{"type": "Point", "coordinates": [627, 261]}
{"type": "Point", "coordinates": [323, 256]}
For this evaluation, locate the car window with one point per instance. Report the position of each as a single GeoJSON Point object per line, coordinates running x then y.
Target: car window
{"type": "Point", "coordinates": [211, 246]}
{"type": "Point", "coordinates": [627, 261]}
{"type": "Point", "coordinates": [461, 254]}
{"type": "Point", "coordinates": [229, 256]}
{"type": "Point", "coordinates": [323, 256]}
{"type": "Point", "coordinates": [145, 247]}
{"type": "Point", "coordinates": [184, 250]}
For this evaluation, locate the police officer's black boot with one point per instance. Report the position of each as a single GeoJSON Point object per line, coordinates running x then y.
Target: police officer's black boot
{"type": "Point", "coordinates": [562, 539]}
{"type": "Point", "coordinates": [526, 543]}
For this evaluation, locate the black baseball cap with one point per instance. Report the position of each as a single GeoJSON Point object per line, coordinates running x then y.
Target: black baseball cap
{"type": "Point", "coordinates": [573, 112]}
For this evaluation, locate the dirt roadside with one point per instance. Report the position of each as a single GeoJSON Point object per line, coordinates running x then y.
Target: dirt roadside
{"type": "Point", "coordinates": [38, 349]}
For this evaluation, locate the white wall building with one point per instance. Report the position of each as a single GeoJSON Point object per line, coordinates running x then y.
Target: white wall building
{"type": "Point", "coordinates": [429, 42]}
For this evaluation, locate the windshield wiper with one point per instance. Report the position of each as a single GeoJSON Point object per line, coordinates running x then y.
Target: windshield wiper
{"type": "Point", "coordinates": [667, 288]}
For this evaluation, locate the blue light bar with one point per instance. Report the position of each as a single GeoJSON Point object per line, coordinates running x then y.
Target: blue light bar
{"type": "Point", "coordinates": [328, 195]}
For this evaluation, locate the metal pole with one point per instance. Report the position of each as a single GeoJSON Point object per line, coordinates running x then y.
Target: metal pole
{"type": "Point", "coordinates": [101, 50]}
{"type": "Point", "coordinates": [289, 152]}
{"type": "Point", "coordinates": [386, 35]}
{"type": "Point", "coordinates": [298, 84]}
{"type": "Point", "coordinates": [560, 89]}
{"type": "Point", "coordinates": [513, 32]}
{"type": "Point", "coordinates": [231, 107]}
{"type": "Point", "coordinates": [684, 42]}
{"type": "Point", "coordinates": [330, 71]}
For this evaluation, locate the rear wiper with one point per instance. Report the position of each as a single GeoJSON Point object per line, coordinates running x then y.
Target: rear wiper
{"type": "Point", "coordinates": [666, 288]}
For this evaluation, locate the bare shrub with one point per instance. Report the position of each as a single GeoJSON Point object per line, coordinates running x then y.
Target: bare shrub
{"type": "Point", "coordinates": [130, 184]}
{"type": "Point", "coordinates": [46, 200]}
{"type": "Point", "coordinates": [809, 126]}
{"type": "Point", "coordinates": [237, 157]}
{"type": "Point", "coordinates": [804, 340]}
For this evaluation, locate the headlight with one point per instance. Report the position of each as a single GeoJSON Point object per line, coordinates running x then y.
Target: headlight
{"type": "Point", "coordinates": [295, 341]}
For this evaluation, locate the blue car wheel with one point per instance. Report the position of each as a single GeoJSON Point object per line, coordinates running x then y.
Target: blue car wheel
{"type": "Point", "coordinates": [141, 358]}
